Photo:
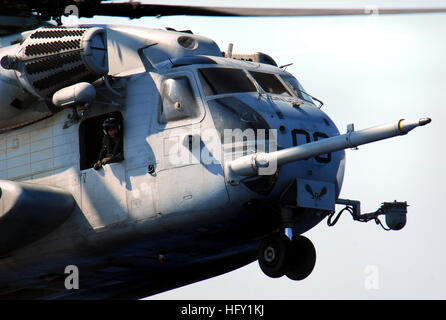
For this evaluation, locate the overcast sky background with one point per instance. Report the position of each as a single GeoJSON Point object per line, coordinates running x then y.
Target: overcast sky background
{"type": "Point", "coordinates": [368, 70]}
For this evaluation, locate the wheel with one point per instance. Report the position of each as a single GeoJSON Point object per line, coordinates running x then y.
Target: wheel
{"type": "Point", "coordinates": [273, 255]}
{"type": "Point", "coordinates": [302, 258]}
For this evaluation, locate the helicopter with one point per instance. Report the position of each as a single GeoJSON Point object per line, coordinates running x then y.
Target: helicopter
{"type": "Point", "coordinates": [157, 221]}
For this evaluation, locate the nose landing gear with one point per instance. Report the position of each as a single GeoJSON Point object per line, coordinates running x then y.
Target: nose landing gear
{"type": "Point", "coordinates": [278, 256]}
{"type": "Point", "coordinates": [302, 258]}
{"type": "Point", "coordinates": [273, 255]}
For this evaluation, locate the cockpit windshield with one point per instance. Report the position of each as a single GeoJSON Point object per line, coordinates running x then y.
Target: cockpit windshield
{"type": "Point", "coordinates": [224, 80]}
{"type": "Point", "coordinates": [270, 83]}
{"type": "Point", "coordinates": [296, 87]}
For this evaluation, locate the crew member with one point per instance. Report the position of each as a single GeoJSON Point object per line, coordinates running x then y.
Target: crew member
{"type": "Point", "coordinates": [112, 146]}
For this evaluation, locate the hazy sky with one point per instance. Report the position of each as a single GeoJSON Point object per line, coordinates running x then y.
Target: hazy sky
{"type": "Point", "coordinates": [368, 71]}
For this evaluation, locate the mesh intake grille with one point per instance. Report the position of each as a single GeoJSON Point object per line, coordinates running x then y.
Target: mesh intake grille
{"type": "Point", "coordinates": [52, 62]}
{"type": "Point", "coordinates": [52, 47]}
{"type": "Point", "coordinates": [59, 77]}
{"type": "Point", "coordinates": [46, 34]}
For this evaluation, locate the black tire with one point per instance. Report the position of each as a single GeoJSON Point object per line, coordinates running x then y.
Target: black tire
{"type": "Point", "coordinates": [273, 255]}
{"type": "Point", "coordinates": [302, 258]}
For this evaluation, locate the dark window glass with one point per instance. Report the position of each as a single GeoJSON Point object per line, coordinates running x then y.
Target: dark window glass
{"type": "Point", "coordinates": [224, 80]}
{"type": "Point", "coordinates": [269, 83]}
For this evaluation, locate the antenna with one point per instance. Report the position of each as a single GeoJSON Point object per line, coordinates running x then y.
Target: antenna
{"type": "Point", "coordinates": [286, 65]}
{"type": "Point", "coordinates": [230, 47]}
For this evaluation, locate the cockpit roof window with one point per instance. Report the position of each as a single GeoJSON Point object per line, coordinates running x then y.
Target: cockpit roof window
{"type": "Point", "coordinates": [224, 80]}
{"type": "Point", "coordinates": [269, 83]}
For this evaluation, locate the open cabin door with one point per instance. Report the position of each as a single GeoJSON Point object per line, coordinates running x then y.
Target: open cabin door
{"type": "Point", "coordinates": [103, 196]}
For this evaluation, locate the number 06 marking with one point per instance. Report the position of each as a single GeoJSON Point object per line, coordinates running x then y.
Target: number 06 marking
{"type": "Point", "coordinates": [326, 158]}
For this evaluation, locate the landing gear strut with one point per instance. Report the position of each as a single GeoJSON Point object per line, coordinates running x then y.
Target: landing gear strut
{"type": "Point", "coordinates": [278, 256]}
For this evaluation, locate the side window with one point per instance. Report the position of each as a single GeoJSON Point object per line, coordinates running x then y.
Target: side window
{"type": "Point", "coordinates": [90, 138]}
{"type": "Point", "coordinates": [177, 100]}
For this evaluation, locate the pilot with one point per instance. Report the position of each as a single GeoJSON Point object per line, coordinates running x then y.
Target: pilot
{"type": "Point", "coordinates": [112, 146]}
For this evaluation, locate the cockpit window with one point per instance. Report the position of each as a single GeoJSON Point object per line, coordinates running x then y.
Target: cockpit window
{"type": "Point", "coordinates": [224, 80]}
{"type": "Point", "coordinates": [232, 113]}
{"type": "Point", "coordinates": [296, 87]}
{"type": "Point", "coordinates": [269, 83]}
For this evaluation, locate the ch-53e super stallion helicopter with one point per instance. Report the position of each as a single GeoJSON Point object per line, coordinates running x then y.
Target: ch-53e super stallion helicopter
{"type": "Point", "coordinates": [226, 158]}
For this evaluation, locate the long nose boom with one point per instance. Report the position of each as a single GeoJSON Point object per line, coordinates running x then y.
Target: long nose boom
{"type": "Point", "coordinates": [249, 165]}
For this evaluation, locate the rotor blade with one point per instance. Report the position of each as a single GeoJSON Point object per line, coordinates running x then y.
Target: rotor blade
{"type": "Point", "coordinates": [137, 10]}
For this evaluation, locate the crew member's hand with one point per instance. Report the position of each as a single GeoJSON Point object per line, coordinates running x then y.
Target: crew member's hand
{"type": "Point", "coordinates": [97, 165]}
{"type": "Point", "coordinates": [106, 160]}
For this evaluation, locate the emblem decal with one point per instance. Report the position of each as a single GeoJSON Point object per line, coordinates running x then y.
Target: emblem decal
{"type": "Point", "coordinates": [315, 195]}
